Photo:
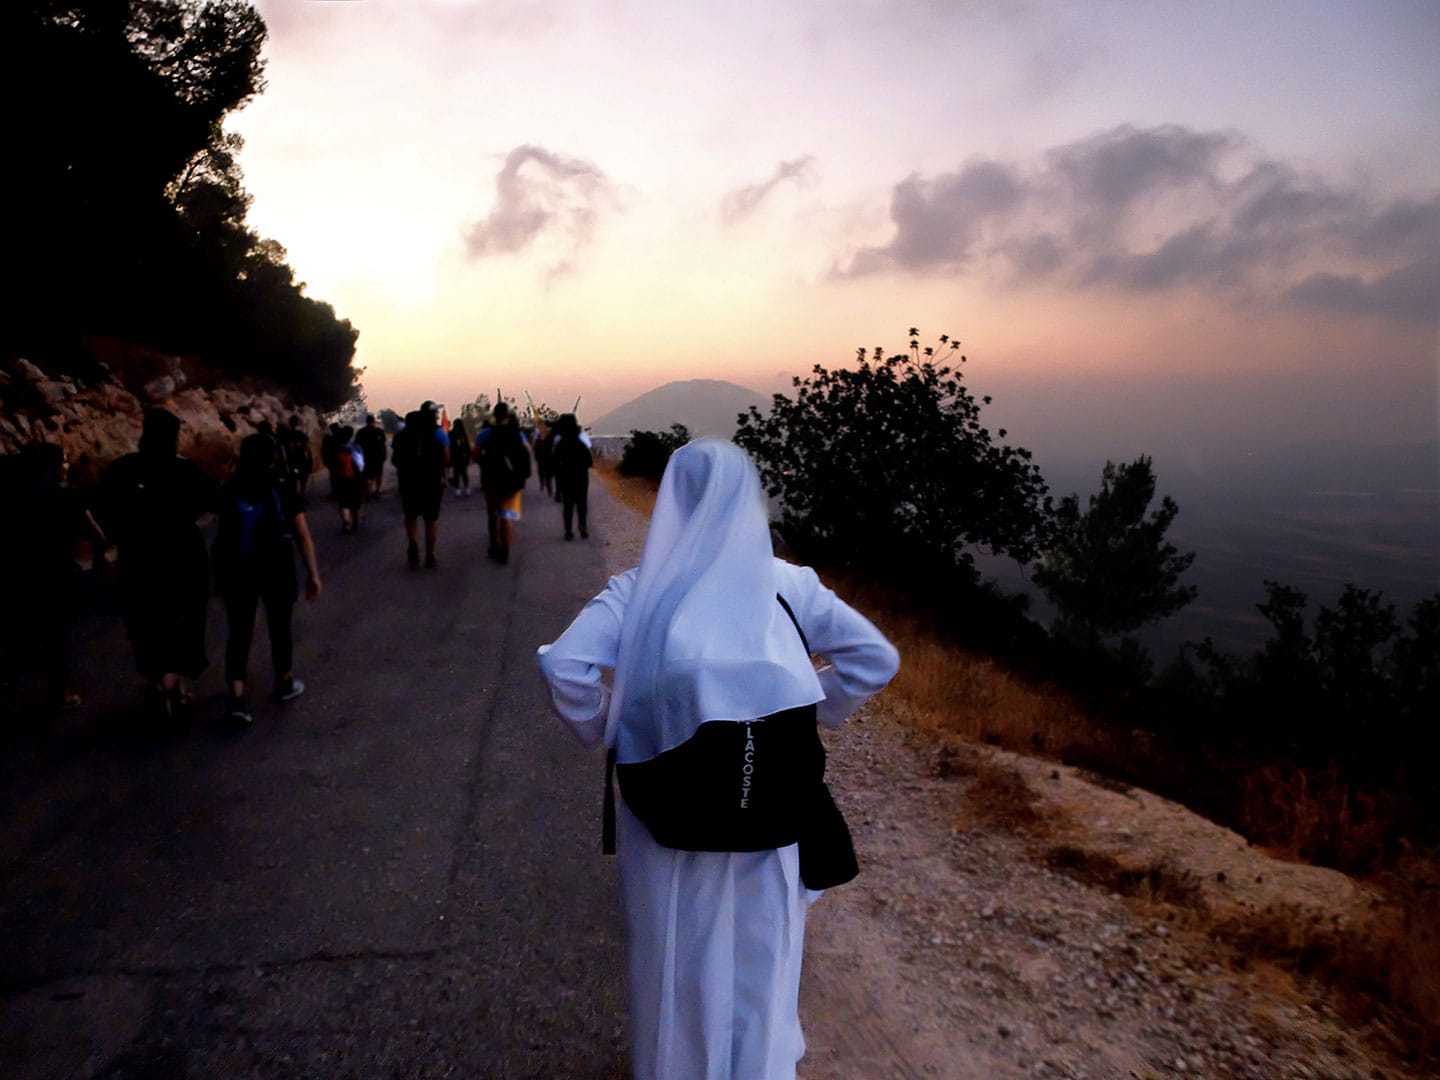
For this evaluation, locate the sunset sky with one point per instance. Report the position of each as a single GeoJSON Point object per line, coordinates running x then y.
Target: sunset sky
{"type": "Point", "coordinates": [1180, 228]}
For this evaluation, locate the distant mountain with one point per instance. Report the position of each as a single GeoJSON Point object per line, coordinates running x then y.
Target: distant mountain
{"type": "Point", "coordinates": [705, 406]}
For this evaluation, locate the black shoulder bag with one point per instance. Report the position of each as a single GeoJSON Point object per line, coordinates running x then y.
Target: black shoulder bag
{"type": "Point", "coordinates": [754, 785]}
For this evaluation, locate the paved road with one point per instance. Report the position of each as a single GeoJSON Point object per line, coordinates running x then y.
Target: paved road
{"type": "Point", "coordinates": [397, 874]}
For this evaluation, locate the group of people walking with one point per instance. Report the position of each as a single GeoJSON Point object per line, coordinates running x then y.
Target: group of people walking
{"type": "Point", "coordinates": [151, 503]}
{"type": "Point", "coordinates": [694, 670]}
{"type": "Point", "coordinates": [149, 506]}
{"type": "Point", "coordinates": [426, 456]}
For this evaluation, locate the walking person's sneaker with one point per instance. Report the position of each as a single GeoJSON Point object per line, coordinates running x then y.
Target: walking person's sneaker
{"type": "Point", "coordinates": [289, 689]}
{"type": "Point", "coordinates": [430, 563]}
{"type": "Point", "coordinates": [412, 554]}
{"type": "Point", "coordinates": [237, 710]}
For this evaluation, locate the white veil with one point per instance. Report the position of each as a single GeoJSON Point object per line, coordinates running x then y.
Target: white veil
{"type": "Point", "coordinates": [704, 637]}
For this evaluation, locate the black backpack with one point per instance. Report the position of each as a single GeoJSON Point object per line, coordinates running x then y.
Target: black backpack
{"type": "Point", "coordinates": [571, 456]}
{"type": "Point", "coordinates": [295, 445]}
{"type": "Point", "coordinates": [749, 785]}
{"type": "Point", "coordinates": [415, 452]}
{"type": "Point", "coordinates": [504, 461]}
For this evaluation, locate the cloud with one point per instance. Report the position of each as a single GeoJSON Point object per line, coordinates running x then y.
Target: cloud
{"type": "Point", "coordinates": [1114, 170]}
{"type": "Point", "coordinates": [739, 205]}
{"type": "Point", "coordinates": [1411, 293]}
{"type": "Point", "coordinates": [315, 24]}
{"type": "Point", "coordinates": [1143, 210]}
{"type": "Point", "coordinates": [539, 194]}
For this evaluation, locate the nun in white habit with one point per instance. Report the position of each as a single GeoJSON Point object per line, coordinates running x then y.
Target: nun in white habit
{"type": "Point", "coordinates": [695, 635]}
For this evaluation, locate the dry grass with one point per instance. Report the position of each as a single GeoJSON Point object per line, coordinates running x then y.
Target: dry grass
{"type": "Point", "coordinates": [1315, 815]}
{"type": "Point", "coordinates": [997, 796]}
{"type": "Point", "coordinates": [636, 492]}
{"type": "Point", "coordinates": [1412, 970]}
{"type": "Point", "coordinates": [1152, 883]}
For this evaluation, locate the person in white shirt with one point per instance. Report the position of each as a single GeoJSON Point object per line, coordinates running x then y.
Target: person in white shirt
{"type": "Point", "coordinates": [699, 633]}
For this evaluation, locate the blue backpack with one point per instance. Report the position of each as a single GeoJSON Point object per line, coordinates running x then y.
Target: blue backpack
{"type": "Point", "coordinates": [251, 528]}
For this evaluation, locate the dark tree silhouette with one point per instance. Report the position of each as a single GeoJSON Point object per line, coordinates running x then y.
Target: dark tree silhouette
{"type": "Point", "coordinates": [887, 468]}
{"type": "Point", "coordinates": [1109, 568]}
{"type": "Point", "coordinates": [127, 208]}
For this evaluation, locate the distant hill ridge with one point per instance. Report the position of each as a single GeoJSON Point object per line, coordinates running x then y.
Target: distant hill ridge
{"type": "Point", "coordinates": [705, 406]}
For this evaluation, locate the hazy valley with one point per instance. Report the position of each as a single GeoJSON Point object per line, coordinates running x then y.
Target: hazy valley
{"type": "Point", "coordinates": [1314, 516]}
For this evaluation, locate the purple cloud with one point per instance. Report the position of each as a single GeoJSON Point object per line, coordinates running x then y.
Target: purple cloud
{"type": "Point", "coordinates": [538, 192]}
{"type": "Point", "coordinates": [1142, 210]}
{"type": "Point", "coordinates": [740, 204]}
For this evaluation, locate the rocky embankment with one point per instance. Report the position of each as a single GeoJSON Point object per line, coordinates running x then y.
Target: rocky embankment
{"type": "Point", "coordinates": [96, 418]}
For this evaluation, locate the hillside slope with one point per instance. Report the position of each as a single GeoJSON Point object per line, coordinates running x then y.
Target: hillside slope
{"type": "Point", "coordinates": [1018, 917]}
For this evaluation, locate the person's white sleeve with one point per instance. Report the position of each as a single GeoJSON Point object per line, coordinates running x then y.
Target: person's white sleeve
{"type": "Point", "coordinates": [860, 661]}
{"type": "Point", "coordinates": [573, 663]}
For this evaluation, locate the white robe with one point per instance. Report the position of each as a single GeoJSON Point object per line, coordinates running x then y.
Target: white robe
{"type": "Point", "coordinates": [714, 939]}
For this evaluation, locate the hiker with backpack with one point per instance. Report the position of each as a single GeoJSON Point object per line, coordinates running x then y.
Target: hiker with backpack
{"type": "Point", "coordinates": [262, 522]}
{"type": "Point", "coordinates": [504, 460]}
{"type": "Point", "coordinates": [371, 440]}
{"type": "Point", "coordinates": [347, 479]}
{"type": "Point", "coordinates": [725, 826]}
{"type": "Point", "coordinates": [420, 452]}
{"type": "Point", "coordinates": [571, 461]}
{"type": "Point", "coordinates": [150, 503]}
{"type": "Point", "coordinates": [299, 457]}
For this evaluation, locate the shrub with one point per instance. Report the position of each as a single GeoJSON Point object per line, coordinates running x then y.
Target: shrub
{"type": "Point", "coordinates": [886, 469]}
{"type": "Point", "coordinates": [1109, 569]}
{"type": "Point", "coordinates": [648, 452]}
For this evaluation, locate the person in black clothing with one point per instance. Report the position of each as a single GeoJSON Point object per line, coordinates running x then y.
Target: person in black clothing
{"type": "Point", "coordinates": [460, 458]}
{"type": "Point", "coordinates": [298, 456]}
{"type": "Point", "coordinates": [571, 460]}
{"type": "Point", "coordinates": [544, 466]}
{"type": "Point", "coordinates": [504, 467]}
{"type": "Point", "coordinates": [371, 440]}
{"type": "Point", "coordinates": [421, 451]}
{"type": "Point", "coordinates": [45, 519]}
{"type": "Point", "coordinates": [262, 521]}
{"type": "Point", "coordinates": [329, 443]}
{"type": "Point", "coordinates": [149, 504]}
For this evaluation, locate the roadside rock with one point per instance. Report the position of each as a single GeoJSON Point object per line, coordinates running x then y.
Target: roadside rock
{"type": "Point", "coordinates": [97, 421]}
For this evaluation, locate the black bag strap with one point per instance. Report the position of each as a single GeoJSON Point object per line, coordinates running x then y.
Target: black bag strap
{"type": "Point", "coordinates": [607, 824]}
{"type": "Point", "coordinates": [607, 819]}
{"type": "Point", "coordinates": [788, 611]}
